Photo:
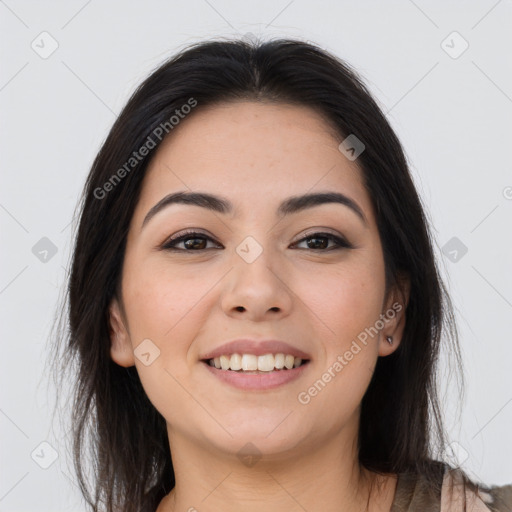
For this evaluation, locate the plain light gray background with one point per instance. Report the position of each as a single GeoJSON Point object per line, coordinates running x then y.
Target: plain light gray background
{"type": "Point", "coordinates": [451, 110]}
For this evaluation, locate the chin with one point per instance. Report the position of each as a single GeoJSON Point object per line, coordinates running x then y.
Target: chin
{"type": "Point", "coordinates": [265, 434]}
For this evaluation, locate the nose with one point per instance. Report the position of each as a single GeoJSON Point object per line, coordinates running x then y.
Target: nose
{"type": "Point", "coordinates": [257, 289]}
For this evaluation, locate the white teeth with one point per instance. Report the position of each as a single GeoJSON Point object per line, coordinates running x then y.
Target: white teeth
{"type": "Point", "coordinates": [266, 363]}
{"type": "Point", "coordinates": [279, 361]}
{"type": "Point", "coordinates": [224, 362]}
{"type": "Point", "coordinates": [250, 362]}
{"type": "Point", "coordinates": [236, 362]}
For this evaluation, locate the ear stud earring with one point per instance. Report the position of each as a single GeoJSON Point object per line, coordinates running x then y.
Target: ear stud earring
{"type": "Point", "coordinates": [389, 339]}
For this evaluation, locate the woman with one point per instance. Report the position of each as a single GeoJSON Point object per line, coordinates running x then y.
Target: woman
{"type": "Point", "coordinates": [255, 310]}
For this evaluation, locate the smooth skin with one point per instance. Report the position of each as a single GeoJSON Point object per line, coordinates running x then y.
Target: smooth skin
{"type": "Point", "coordinates": [193, 299]}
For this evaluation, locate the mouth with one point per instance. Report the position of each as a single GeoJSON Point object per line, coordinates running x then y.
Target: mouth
{"type": "Point", "coordinates": [249, 372]}
{"type": "Point", "coordinates": [255, 365]}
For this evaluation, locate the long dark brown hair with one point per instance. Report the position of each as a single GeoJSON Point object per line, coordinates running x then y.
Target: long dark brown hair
{"type": "Point", "coordinates": [116, 431]}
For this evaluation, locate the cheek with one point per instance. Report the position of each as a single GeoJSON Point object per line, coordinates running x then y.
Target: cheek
{"type": "Point", "coordinates": [353, 302]}
{"type": "Point", "coordinates": [161, 302]}
{"type": "Point", "coordinates": [348, 304]}
{"type": "Point", "coordinates": [346, 300]}
{"type": "Point", "coordinates": [163, 308]}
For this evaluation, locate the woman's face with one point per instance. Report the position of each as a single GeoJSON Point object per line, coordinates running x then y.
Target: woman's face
{"type": "Point", "coordinates": [255, 272]}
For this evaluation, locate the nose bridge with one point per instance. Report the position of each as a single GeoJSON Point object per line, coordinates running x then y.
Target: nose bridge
{"type": "Point", "coordinates": [254, 229]}
{"type": "Point", "coordinates": [255, 262]}
{"type": "Point", "coordinates": [255, 285]}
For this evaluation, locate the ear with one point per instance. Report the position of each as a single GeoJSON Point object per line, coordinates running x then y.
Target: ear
{"type": "Point", "coordinates": [121, 350]}
{"type": "Point", "coordinates": [394, 316]}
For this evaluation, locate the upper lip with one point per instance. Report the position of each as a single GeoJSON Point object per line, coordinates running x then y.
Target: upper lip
{"type": "Point", "coordinates": [257, 348]}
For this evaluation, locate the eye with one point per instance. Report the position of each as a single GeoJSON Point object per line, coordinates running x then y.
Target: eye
{"type": "Point", "coordinates": [195, 241]}
{"type": "Point", "coordinates": [321, 241]}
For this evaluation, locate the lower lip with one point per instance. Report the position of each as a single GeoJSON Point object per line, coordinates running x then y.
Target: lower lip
{"type": "Point", "coordinates": [257, 381]}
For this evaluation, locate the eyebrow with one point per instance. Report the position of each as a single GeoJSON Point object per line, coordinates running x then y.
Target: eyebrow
{"type": "Point", "coordinates": [222, 205]}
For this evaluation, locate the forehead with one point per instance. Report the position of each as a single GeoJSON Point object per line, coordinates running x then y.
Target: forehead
{"type": "Point", "coordinates": [255, 153]}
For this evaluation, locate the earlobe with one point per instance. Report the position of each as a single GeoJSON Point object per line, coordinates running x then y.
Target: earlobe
{"type": "Point", "coordinates": [121, 350]}
{"type": "Point", "coordinates": [391, 335]}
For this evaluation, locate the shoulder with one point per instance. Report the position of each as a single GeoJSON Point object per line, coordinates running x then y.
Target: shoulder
{"type": "Point", "coordinates": [479, 497]}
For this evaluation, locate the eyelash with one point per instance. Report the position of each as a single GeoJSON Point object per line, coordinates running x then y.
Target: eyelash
{"type": "Point", "coordinates": [171, 242]}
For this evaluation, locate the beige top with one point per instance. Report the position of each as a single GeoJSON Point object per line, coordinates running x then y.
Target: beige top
{"type": "Point", "coordinates": [412, 496]}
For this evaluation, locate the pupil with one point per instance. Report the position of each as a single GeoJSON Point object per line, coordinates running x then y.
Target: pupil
{"type": "Point", "coordinates": [323, 244]}
{"type": "Point", "coordinates": [189, 245]}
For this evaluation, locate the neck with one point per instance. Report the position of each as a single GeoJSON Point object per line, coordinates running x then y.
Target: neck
{"type": "Point", "coordinates": [324, 476]}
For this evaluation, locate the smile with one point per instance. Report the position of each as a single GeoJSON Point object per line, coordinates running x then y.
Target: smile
{"type": "Point", "coordinates": [251, 372]}
{"type": "Point", "coordinates": [250, 362]}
